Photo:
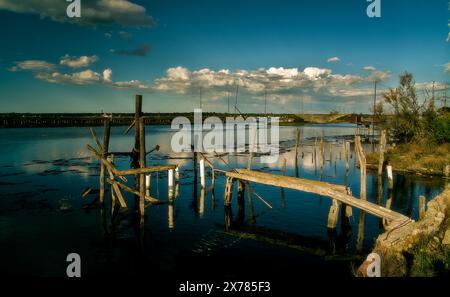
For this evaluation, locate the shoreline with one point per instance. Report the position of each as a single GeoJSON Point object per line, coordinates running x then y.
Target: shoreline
{"type": "Point", "coordinates": [419, 248]}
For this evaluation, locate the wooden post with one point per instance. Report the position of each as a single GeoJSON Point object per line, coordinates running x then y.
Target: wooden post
{"type": "Point", "coordinates": [135, 156]}
{"type": "Point", "coordinates": [194, 159]}
{"type": "Point", "coordinates": [170, 216]}
{"type": "Point", "coordinates": [382, 148]}
{"type": "Point", "coordinates": [202, 173]}
{"type": "Point", "coordinates": [142, 164]}
{"type": "Point", "coordinates": [201, 207]}
{"type": "Point", "coordinates": [283, 173]}
{"type": "Point", "coordinates": [297, 140]}
{"type": "Point", "coordinates": [362, 214]}
{"type": "Point", "coordinates": [148, 180]}
{"type": "Point", "coordinates": [333, 214]}
{"type": "Point", "coordinates": [315, 150]}
{"type": "Point", "coordinates": [251, 148]}
{"type": "Point", "coordinates": [106, 135]}
{"type": "Point", "coordinates": [170, 180]}
{"type": "Point", "coordinates": [390, 177]}
{"type": "Point", "coordinates": [322, 152]}
{"type": "Point", "coordinates": [421, 207]}
{"type": "Point", "coordinates": [362, 164]}
{"type": "Point", "coordinates": [228, 191]}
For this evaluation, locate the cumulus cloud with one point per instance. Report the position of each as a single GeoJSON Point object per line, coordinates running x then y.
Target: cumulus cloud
{"type": "Point", "coordinates": [333, 60]}
{"type": "Point", "coordinates": [93, 12]}
{"type": "Point", "coordinates": [85, 77]}
{"type": "Point", "coordinates": [107, 73]}
{"type": "Point", "coordinates": [140, 51]}
{"type": "Point", "coordinates": [285, 83]}
{"type": "Point", "coordinates": [33, 65]}
{"type": "Point", "coordinates": [77, 62]}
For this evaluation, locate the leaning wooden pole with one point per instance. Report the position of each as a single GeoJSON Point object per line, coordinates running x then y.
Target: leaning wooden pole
{"type": "Point", "coordinates": [135, 153]}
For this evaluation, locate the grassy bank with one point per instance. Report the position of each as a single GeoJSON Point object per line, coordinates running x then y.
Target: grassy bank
{"type": "Point", "coordinates": [416, 158]}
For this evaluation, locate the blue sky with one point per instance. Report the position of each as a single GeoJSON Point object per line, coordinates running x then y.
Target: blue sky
{"type": "Point", "coordinates": [322, 55]}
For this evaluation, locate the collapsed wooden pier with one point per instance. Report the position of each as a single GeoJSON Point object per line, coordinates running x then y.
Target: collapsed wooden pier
{"type": "Point", "coordinates": [336, 192]}
{"type": "Point", "coordinates": [340, 194]}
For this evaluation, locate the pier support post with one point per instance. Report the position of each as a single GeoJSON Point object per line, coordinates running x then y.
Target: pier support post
{"type": "Point", "coordinates": [390, 177]}
{"type": "Point", "coordinates": [142, 164]}
{"type": "Point", "coordinates": [333, 214]}
{"type": "Point", "coordinates": [381, 148]}
{"type": "Point", "coordinates": [148, 180]}
{"type": "Point", "coordinates": [170, 180]}
{"type": "Point", "coordinates": [228, 191]}
{"type": "Point", "coordinates": [202, 173]}
{"type": "Point", "coordinates": [297, 141]}
{"type": "Point", "coordinates": [106, 134]}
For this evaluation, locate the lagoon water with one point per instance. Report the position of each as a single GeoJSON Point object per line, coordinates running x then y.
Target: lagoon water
{"type": "Point", "coordinates": [43, 218]}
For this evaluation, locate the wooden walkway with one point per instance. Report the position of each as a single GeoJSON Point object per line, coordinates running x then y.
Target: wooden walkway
{"type": "Point", "coordinates": [333, 191]}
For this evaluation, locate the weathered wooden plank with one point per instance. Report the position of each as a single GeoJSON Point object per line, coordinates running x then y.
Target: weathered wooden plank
{"type": "Point", "coordinates": [321, 188]}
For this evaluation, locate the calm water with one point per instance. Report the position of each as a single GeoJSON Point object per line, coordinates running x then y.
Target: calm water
{"type": "Point", "coordinates": [43, 217]}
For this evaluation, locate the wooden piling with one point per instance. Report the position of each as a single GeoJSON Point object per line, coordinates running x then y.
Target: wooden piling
{"type": "Point", "coordinates": [170, 183]}
{"type": "Point", "coordinates": [422, 207]}
{"type": "Point", "coordinates": [346, 155]}
{"type": "Point", "coordinates": [202, 173]}
{"type": "Point", "coordinates": [106, 135]}
{"type": "Point", "coordinates": [142, 164]}
{"type": "Point", "coordinates": [297, 141]}
{"type": "Point", "coordinates": [333, 214]}
{"type": "Point", "coordinates": [228, 191]}
{"type": "Point", "coordinates": [322, 152]}
{"type": "Point", "coordinates": [381, 148]}
{"type": "Point", "coordinates": [148, 181]}
{"type": "Point", "coordinates": [251, 148]}
{"type": "Point", "coordinates": [362, 164]}
{"type": "Point", "coordinates": [390, 177]}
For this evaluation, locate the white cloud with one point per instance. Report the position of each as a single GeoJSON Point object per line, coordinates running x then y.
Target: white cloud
{"type": "Point", "coordinates": [107, 73]}
{"type": "Point", "coordinates": [333, 60]}
{"type": "Point", "coordinates": [315, 73]}
{"type": "Point", "coordinates": [93, 12]}
{"type": "Point", "coordinates": [74, 62]}
{"type": "Point", "coordinates": [85, 77]}
{"type": "Point", "coordinates": [369, 68]}
{"type": "Point", "coordinates": [33, 65]}
{"type": "Point", "coordinates": [282, 83]}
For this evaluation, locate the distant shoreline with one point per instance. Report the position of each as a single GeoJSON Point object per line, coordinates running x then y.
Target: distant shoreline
{"type": "Point", "coordinates": [44, 120]}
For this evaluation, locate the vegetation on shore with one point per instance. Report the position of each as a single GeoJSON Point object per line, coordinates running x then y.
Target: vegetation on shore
{"type": "Point", "coordinates": [420, 131]}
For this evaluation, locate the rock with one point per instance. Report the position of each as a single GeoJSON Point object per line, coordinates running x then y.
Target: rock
{"type": "Point", "coordinates": [446, 239]}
